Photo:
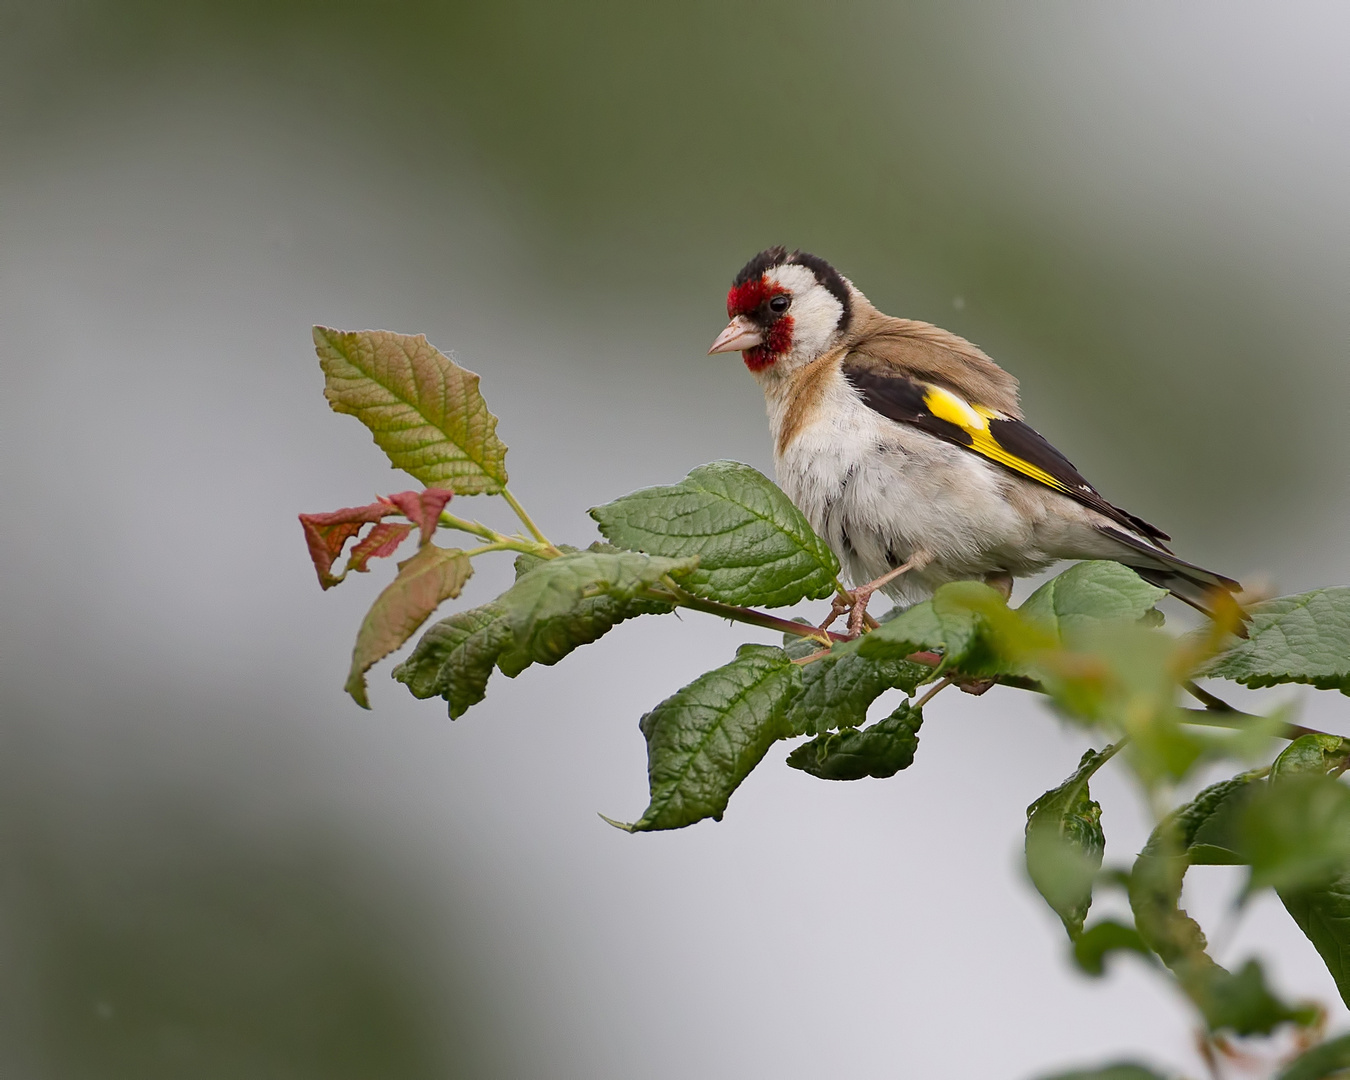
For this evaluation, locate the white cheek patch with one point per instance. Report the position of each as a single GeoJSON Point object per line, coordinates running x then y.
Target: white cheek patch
{"type": "Point", "coordinates": [815, 310]}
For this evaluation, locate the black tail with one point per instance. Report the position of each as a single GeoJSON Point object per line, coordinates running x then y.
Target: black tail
{"type": "Point", "coordinates": [1189, 583]}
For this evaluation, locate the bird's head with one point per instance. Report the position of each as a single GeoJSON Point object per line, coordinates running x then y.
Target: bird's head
{"type": "Point", "coordinates": [786, 310]}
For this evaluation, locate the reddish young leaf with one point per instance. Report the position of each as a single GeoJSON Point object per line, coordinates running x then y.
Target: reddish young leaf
{"type": "Point", "coordinates": [423, 508]}
{"type": "Point", "coordinates": [432, 575]}
{"type": "Point", "coordinates": [327, 533]}
{"type": "Point", "coordinates": [382, 540]}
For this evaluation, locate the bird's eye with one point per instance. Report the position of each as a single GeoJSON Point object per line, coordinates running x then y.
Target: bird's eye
{"type": "Point", "coordinates": [780, 303]}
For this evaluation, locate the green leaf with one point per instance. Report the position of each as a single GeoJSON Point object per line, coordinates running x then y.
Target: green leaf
{"type": "Point", "coordinates": [752, 544]}
{"type": "Point", "coordinates": [1092, 946]}
{"type": "Point", "coordinates": [1238, 1001]}
{"type": "Point", "coordinates": [1296, 832]}
{"type": "Point", "coordinates": [969, 624]}
{"type": "Point", "coordinates": [1090, 593]}
{"type": "Point", "coordinates": [575, 598]}
{"type": "Point", "coordinates": [1293, 639]}
{"type": "Point", "coordinates": [1327, 1059]}
{"type": "Point", "coordinates": [1122, 1071]}
{"type": "Point", "coordinates": [424, 410]}
{"type": "Point", "coordinates": [1065, 842]}
{"type": "Point", "coordinates": [1323, 914]}
{"type": "Point", "coordinates": [703, 740]}
{"type": "Point", "coordinates": [881, 750]}
{"type": "Point", "coordinates": [432, 575]}
{"type": "Point", "coordinates": [1322, 910]}
{"type": "Point", "coordinates": [454, 659]}
{"type": "Point", "coordinates": [1156, 880]}
{"type": "Point", "coordinates": [837, 689]}
{"type": "Point", "coordinates": [1313, 753]}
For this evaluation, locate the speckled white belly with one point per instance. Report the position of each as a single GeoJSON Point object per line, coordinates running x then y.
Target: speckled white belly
{"type": "Point", "coordinates": [879, 492]}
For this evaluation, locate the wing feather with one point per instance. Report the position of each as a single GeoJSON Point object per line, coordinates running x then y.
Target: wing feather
{"type": "Point", "coordinates": [994, 435]}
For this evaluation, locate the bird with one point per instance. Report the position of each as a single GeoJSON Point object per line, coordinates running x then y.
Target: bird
{"type": "Point", "coordinates": [905, 448]}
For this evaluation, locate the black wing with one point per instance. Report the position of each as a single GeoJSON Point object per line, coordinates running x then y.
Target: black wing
{"type": "Point", "coordinates": [1004, 440]}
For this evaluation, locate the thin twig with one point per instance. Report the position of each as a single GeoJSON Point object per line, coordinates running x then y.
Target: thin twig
{"type": "Point", "coordinates": [474, 528]}
{"type": "Point", "coordinates": [1214, 704]}
{"type": "Point", "coordinates": [746, 615]}
{"type": "Point", "coordinates": [1236, 720]}
{"type": "Point", "coordinates": [525, 518]}
{"type": "Point", "coordinates": [936, 689]}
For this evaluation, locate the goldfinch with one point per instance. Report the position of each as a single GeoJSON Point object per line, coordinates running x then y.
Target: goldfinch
{"type": "Point", "coordinates": [905, 448]}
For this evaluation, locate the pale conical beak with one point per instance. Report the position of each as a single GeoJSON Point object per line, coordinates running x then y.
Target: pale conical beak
{"type": "Point", "coordinates": [740, 334]}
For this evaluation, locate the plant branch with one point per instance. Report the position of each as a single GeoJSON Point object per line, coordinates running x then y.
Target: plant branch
{"type": "Point", "coordinates": [526, 519]}
{"type": "Point", "coordinates": [506, 544]}
{"type": "Point", "coordinates": [933, 692]}
{"type": "Point", "coordinates": [763, 619]}
{"type": "Point", "coordinates": [474, 528]}
{"type": "Point", "coordinates": [1237, 720]}
{"type": "Point", "coordinates": [497, 541]}
{"type": "Point", "coordinates": [1210, 702]}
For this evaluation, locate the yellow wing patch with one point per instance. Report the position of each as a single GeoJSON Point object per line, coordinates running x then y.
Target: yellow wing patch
{"type": "Point", "coordinates": [974, 421]}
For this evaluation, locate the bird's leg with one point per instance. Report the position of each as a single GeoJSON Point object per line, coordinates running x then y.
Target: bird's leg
{"type": "Point", "coordinates": [863, 593]}
{"type": "Point", "coordinates": [838, 606]}
{"type": "Point", "coordinates": [1000, 580]}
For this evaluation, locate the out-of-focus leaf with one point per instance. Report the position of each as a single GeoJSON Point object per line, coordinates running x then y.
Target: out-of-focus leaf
{"type": "Point", "coordinates": [1330, 1058]}
{"type": "Point", "coordinates": [1123, 1071]}
{"type": "Point", "coordinates": [1065, 842]}
{"type": "Point", "coordinates": [1092, 946]}
{"type": "Point", "coordinates": [1238, 1001]}
{"type": "Point", "coordinates": [1090, 593]}
{"type": "Point", "coordinates": [753, 546]}
{"type": "Point", "coordinates": [703, 740]}
{"type": "Point", "coordinates": [1156, 880]}
{"type": "Point", "coordinates": [325, 535]}
{"type": "Point", "coordinates": [1124, 677]}
{"type": "Point", "coordinates": [424, 410]}
{"type": "Point", "coordinates": [969, 624]}
{"type": "Point", "coordinates": [455, 657]}
{"type": "Point", "coordinates": [881, 750]}
{"type": "Point", "coordinates": [1296, 832]}
{"type": "Point", "coordinates": [432, 575]}
{"type": "Point", "coordinates": [1322, 912]}
{"type": "Point", "coordinates": [837, 689]}
{"type": "Point", "coordinates": [423, 508]}
{"type": "Point", "coordinates": [381, 542]}
{"type": "Point", "coordinates": [573, 599]}
{"type": "Point", "coordinates": [1293, 639]}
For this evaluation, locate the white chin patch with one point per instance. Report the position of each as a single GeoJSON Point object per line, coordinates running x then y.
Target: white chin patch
{"type": "Point", "coordinates": [815, 310]}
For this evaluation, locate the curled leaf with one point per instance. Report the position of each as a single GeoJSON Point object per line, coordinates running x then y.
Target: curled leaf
{"type": "Point", "coordinates": [1064, 844]}
{"type": "Point", "coordinates": [381, 542]}
{"type": "Point", "coordinates": [879, 751]}
{"type": "Point", "coordinates": [325, 535]}
{"type": "Point", "coordinates": [423, 508]}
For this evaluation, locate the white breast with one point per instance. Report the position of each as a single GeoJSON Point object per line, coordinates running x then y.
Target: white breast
{"type": "Point", "coordinates": [879, 491]}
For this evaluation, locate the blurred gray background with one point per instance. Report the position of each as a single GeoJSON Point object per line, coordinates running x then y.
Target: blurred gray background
{"type": "Point", "coordinates": [212, 864]}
